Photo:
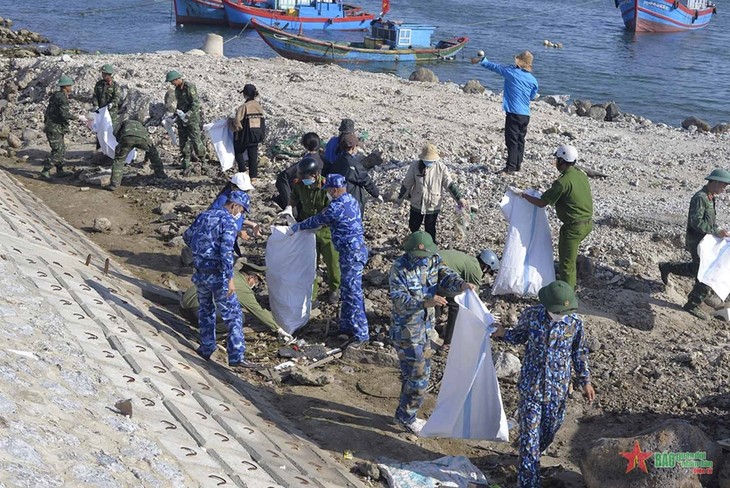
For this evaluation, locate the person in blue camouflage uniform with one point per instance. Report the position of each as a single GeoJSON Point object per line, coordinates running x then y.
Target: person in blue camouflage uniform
{"type": "Point", "coordinates": [188, 125]}
{"type": "Point", "coordinates": [211, 238]}
{"type": "Point", "coordinates": [414, 280]}
{"type": "Point", "coordinates": [554, 341]}
{"type": "Point", "coordinates": [56, 120]}
{"type": "Point", "coordinates": [342, 215]}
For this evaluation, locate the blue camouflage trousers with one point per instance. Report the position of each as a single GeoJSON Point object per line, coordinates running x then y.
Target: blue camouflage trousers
{"type": "Point", "coordinates": [539, 422]}
{"type": "Point", "coordinates": [352, 309]}
{"type": "Point", "coordinates": [415, 368]}
{"type": "Point", "coordinates": [212, 293]}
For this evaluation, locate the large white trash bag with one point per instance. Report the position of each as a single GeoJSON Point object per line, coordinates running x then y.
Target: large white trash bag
{"type": "Point", "coordinates": [469, 405]}
{"type": "Point", "coordinates": [290, 271]}
{"type": "Point", "coordinates": [105, 132]}
{"type": "Point", "coordinates": [527, 262]}
{"type": "Point", "coordinates": [222, 139]}
{"type": "Point", "coordinates": [715, 264]}
{"type": "Point", "coordinates": [451, 471]}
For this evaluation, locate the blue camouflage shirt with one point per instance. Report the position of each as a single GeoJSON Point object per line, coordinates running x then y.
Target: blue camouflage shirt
{"type": "Point", "coordinates": [220, 202]}
{"type": "Point", "coordinates": [211, 238]}
{"type": "Point", "coordinates": [343, 216]}
{"type": "Point", "coordinates": [550, 350]}
{"type": "Point", "coordinates": [413, 281]}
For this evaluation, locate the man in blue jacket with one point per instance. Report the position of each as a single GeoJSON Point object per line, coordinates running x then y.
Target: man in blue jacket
{"type": "Point", "coordinates": [520, 87]}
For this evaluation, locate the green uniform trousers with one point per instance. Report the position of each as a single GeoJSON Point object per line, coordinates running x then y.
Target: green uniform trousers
{"type": "Point", "coordinates": [190, 139]}
{"type": "Point", "coordinates": [58, 150]}
{"type": "Point", "coordinates": [700, 291]}
{"type": "Point", "coordinates": [571, 235]}
{"type": "Point", "coordinates": [331, 258]}
{"type": "Point", "coordinates": [120, 155]}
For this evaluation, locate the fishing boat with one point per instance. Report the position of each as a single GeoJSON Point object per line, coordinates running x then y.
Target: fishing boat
{"type": "Point", "coordinates": [388, 42]}
{"type": "Point", "coordinates": [665, 15]}
{"type": "Point", "coordinates": [207, 12]}
{"type": "Point", "coordinates": [297, 14]}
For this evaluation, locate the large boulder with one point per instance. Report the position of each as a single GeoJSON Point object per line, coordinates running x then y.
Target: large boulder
{"type": "Point", "coordinates": [473, 87]}
{"type": "Point", "coordinates": [720, 128]}
{"type": "Point", "coordinates": [506, 365]}
{"type": "Point", "coordinates": [612, 111]}
{"type": "Point", "coordinates": [424, 75]}
{"type": "Point", "coordinates": [556, 100]}
{"type": "Point", "coordinates": [582, 107]}
{"type": "Point", "coordinates": [612, 463]}
{"type": "Point", "coordinates": [701, 125]}
{"type": "Point", "coordinates": [596, 112]}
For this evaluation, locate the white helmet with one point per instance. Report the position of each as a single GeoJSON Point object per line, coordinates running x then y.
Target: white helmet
{"type": "Point", "coordinates": [567, 153]}
{"type": "Point", "coordinates": [242, 181]}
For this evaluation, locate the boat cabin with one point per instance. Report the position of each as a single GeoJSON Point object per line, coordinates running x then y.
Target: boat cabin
{"type": "Point", "coordinates": [309, 8]}
{"type": "Point", "coordinates": [397, 35]}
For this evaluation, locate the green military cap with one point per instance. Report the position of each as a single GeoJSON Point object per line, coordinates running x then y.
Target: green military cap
{"type": "Point", "coordinates": [420, 244]}
{"type": "Point", "coordinates": [65, 81]}
{"type": "Point", "coordinates": [107, 69]}
{"type": "Point", "coordinates": [172, 76]}
{"type": "Point", "coordinates": [558, 297]}
{"type": "Point", "coordinates": [721, 175]}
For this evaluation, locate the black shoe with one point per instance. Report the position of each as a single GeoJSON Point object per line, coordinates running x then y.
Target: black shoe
{"type": "Point", "coordinates": [664, 271]}
{"type": "Point", "coordinates": [245, 364]}
{"type": "Point", "coordinates": [110, 187]}
{"type": "Point", "coordinates": [207, 358]}
{"type": "Point", "coordinates": [507, 171]}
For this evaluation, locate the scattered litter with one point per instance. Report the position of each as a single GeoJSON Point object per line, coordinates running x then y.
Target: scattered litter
{"type": "Point", "coordinates": [347, 454]}
{"type": "Point", "coordinates": [452, 471]}
{"type": "Point", "coordinates": [124, 407]}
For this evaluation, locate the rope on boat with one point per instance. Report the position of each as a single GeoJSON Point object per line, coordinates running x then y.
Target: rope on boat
{"type": "Point", "coordinates": [136, 5]}
{"type": "Point", "coordinates": [239, 34]}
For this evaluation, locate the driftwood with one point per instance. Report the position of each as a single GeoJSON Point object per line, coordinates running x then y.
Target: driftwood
{"type": "Point", "coordinates": [591, 173]}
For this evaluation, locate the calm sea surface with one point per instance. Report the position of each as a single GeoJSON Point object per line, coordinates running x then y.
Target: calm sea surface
{"type": "Point", "coordinates": [664, 77]}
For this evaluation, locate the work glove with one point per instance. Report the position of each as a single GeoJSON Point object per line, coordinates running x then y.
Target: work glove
{"type": "Point", "coordinates": [287, 213]}
{"type": "Point", "coordinates": [284, 336]}
{"type": "Point", "coordinates": [380, 199]}
{"type": "Point", "coordinates": [182, 116]}
{"type": "Point", "coordinates": [515, 190]}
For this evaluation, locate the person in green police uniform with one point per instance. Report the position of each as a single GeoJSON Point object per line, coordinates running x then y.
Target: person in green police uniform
{"type": "Point", "coordinates": [571, 195]}
{"type": "Point", "coordinates": [188, 119]}
{"type": "Point", "coordinates": [701, 221]}
{"type": "Point", "coordinates": [56, 118]}
{"type": "Point", "coordinates": [130, 135]}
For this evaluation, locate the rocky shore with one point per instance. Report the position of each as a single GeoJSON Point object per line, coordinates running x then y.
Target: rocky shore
{"type": "Point", "coordinates": [650, 360]}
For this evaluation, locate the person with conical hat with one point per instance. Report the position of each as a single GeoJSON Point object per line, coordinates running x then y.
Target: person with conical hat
{"type": "Point", "coordinates": [107, 93]}
{"type": "Point", "coordinates": [701, 221]}
{"type": "Point", "coordinates": [520, 87]}
{"type": "Point", "coordinates": [188, 120]}
{"type": "Point", "coordinates": [555, 345]}
{"type": "Point", "coordinates": [56, 120]}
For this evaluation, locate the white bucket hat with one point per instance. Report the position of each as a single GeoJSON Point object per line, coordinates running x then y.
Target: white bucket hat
{"type": "Point", "coordinates": [242, 181]}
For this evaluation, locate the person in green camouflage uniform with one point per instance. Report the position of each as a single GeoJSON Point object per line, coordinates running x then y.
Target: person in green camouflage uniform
{"type": "Point", "coordinates": [701, 221]}
{"type": "Point", "coordinates": [188, 125]}
{"type": "Point", "coordinates": [56, 119]}
{"type": "Point", "coordinates": [107, 93]}
{"type": "Point", "coordinates": [130, 135]}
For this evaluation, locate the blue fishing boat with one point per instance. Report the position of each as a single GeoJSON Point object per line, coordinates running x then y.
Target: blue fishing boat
{"type": "Point", "coordinates": [665, 15]}
{"type": "Point", "coordinates": [297, 14]}
{"type": "Point", "coordinates": [388, 42]}
{"type": "Point", "coordinates": [207, 12]}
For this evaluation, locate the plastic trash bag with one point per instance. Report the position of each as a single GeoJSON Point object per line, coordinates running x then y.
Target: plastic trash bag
{"type": "Point", "coordinates": [105, 132]}
{"type": "Point", "coordinates": [452, 471]}
{"type": "Point", "coordinates": [222, 138]}
{"type": "Point", "coordinates": [715, 264]}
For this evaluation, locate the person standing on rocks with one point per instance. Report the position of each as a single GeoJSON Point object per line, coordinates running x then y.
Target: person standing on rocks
{"type": "Point", "coordinates": [334, 146]}
{"type": "Point", "coordinates": [701, 221]}
{"type": "Point", "coordinates": [571, 195]}
{"type": "Point", "coordinates": [414, 281]}
{"type": "Point", "coordinates": [107, 93]}
{"type": "Point", "coordinates": [249, 130]}
{"type": "Point", "coordinates": [358, 179]}
{"type": "Point", "coordinates": [342, 215]}
{"type": "Point", "coordinates": [520, 87]}
{"type": "Point", "coordinates": [188, 120]}
{"type": "Point", "coordinates": [56, 119]}
{"type": "Point", "coordinates": [130, 135]}
{"type": "Point", "coordinates": [424, 184]}
{"type": "Point", "coordinates": [309, 194]}
{"type": "Point", "coordinates": [241, 182]}
{"type": "Point", "coordinates": [211, 238]}
{"type": "Point", "coordinates": [554, 341]}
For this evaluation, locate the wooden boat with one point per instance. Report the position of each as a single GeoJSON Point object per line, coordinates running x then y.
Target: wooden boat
{"type": "Point", "coordinates": [297, 14]}
{"type": "Point", "coordinates": [665, 15]}
{"type": "Point", "coordinates": [389, 42]}
{"type": "Point", "coordinates": [207, 12]}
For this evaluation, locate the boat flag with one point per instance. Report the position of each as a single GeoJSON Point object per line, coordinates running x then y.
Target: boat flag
{"type": "Point", "coordinates": [386, 7]}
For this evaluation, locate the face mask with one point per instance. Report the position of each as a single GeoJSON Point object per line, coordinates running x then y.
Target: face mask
{"type": "Point", "coordinates": [329, 196]}
{"type": "Point", "coordinates": [308, 181]}
{"type": "Point", "coordinates": [556, 317]}
{"type": "Point", "coordinates": [428, 164]}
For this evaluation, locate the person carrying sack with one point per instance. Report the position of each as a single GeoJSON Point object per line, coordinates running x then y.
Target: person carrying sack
{"type": "Point", "coordinates": [249, 130]}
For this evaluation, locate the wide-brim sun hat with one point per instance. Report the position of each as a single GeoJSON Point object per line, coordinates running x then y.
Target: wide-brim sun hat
{"type": "Point", "coordinates": [719, 174]}
{"type": "Point", "coordinates": [429, 153]}
{"type": "Point", "coordinates": [242, 181]}
{"type": "Point", "coordinates": [420, 244]}
{"type": "Point", "coordinates": [558, 297]}
{"type": "Point", "coordinates": [524, 60]}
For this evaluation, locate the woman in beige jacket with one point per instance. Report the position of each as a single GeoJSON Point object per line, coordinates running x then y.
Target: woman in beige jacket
{"type": "Point", "coordinates": [425, 183]}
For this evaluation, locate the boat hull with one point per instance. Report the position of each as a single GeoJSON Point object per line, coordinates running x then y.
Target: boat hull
{"type": "Point", "coordinates": [240, 15]}
{"type": "Point", "coordinates": [206, 12]}
{"type": "Point", "coordinates": [662, 16]}
{"type": "Point", "coordinates": [303, 48]}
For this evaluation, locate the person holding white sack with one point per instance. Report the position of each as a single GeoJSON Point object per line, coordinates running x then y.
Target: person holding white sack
{"type": "Point", "coordinates": [701, 221]}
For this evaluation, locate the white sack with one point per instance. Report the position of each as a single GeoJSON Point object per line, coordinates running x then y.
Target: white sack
{"type": "Point", "coordinates": [105, 132]}
{"type": "Point", "coordinates": [452, 471]}
{"type": "Point", "coordinates": [527, 262]}
{"type": "Point", "coordinates": [469, 405]}
{"type": "Point", "coordinates": [715, 264]}
{"type": "Point", "coordinates": [291, 265]}
{"type": "Point", "coordinates": [222, 139]}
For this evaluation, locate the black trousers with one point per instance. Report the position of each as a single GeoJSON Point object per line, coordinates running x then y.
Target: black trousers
{"type": "Point", "coordinates": [416, 219]}
{"type": "Point", "coordinates": [515, 130]}
{"type": "Point", "coordinates": [253, 160]}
